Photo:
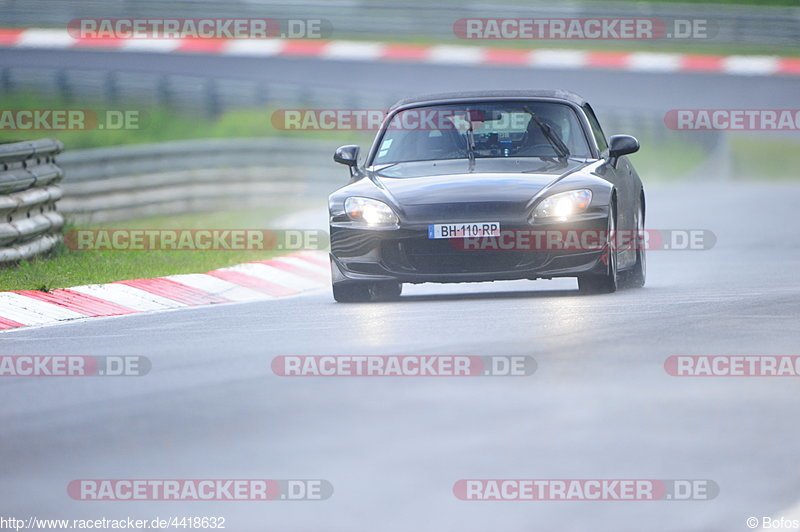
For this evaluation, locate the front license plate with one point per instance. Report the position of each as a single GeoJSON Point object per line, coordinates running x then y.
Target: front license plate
{"type": "Point", "coordinates": [464, 230]}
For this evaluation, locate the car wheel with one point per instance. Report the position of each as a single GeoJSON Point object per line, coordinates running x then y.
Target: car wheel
{"type": "Point", "coordinates": [605, 283]}
{"type": "Point", "coordinates": [351, 292]}
{"type": "Point", "coordinates": [636, 277]}
{"type": "Point", "coordinates": [385, 290]}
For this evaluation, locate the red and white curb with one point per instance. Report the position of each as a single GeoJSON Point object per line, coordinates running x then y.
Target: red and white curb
{"type": "Point", "coordinates": [748, 65]}
{"type": "Point", "coordinates": [279, 277]}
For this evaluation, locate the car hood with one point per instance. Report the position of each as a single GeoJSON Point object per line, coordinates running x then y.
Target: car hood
{"type": "Point", "coordinates": [451, 182]}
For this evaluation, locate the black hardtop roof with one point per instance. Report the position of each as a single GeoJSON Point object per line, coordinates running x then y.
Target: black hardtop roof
{"type": "Point", "coordinates": [559, 94]}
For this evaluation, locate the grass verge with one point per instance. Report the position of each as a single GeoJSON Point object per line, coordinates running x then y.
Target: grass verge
{"type": "Point", "coordinates": [65, 267]}
{"type": "Point", "coordinates": [159, 124]}
{"type": "Point", "coordinates": [770, 157]}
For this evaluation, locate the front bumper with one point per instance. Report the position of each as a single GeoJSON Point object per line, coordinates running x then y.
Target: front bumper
{"type": "Point", "coordinates": [405, 254]}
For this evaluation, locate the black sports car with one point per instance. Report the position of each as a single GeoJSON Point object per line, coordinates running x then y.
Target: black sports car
{"type": "Point", "coordinates": [483, 186]}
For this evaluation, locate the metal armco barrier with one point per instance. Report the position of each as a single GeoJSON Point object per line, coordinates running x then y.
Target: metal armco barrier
{"type": "Point", "coordinates": [125, 182]}
{"type": "Point", "coordinates": [29, 222]}
{"type": "Point", "coordinates": [208, 95]}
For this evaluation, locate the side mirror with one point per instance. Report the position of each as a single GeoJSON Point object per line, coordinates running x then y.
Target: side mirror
{"type": "Point", "coordinates": [620, 145]}
{"type": "Point", "coordinates": [347, 155]}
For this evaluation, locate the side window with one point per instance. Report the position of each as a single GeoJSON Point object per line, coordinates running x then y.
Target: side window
{"type": "Point", "coordinates": [599, 137]}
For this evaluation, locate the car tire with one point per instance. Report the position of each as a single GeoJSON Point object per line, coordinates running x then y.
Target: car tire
{"type": "Point", "coordinates": [354, 292]}
{"type": "Point", "coordinates": [351, 292]}
{"type": "Point", "coordinates": [636, 277]}
{"type": "Point", "coordinates": [605, 283]}
{"type": "Point", "coordinates": [385, 290]}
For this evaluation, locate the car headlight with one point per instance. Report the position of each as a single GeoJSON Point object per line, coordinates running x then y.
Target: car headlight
{"type": "Point", "coordinates": [564, 204]}
{"type": "Point", "coordinates": [370, 211]}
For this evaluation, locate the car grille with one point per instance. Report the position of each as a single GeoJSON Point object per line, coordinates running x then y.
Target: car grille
{"type": "Point", "coordinates": [440, 256]}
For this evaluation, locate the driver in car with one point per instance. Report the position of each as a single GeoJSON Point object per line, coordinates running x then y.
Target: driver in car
{"type": "Point", "coordinates": [535, 142]}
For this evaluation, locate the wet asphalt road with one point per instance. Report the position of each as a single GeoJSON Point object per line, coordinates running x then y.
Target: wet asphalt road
{"type": "Point", "coordinates": [600, 404]}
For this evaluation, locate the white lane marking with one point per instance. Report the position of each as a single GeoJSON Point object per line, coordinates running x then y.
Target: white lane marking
{"type": "Point", "coordinates": [264, 48]}
{"type": "Point", "coordinates": [128, 296]}
{"type": "Point", "coordinates": [453, 54]}
{"type": "Point", "coordinates": [218, 287]}
{"type": "Point", "coordinates": [302, 264]}
{"type": "Point", "coordinates": [750, 65]}
{"type": "Point", "coordinates": [36, 38]}
{"type": "Point", "coordinates": [29, 311]}
{"type": "Point", "coordinates": [274, 275]}
{"type": "Point", "coordinates": [558, 58]}
{"type": "Point", "coordinates": [150, 45]}
{"type": "Point", "coordinates": [653, 62]}
{"type": "Point", "coordinates": [360, 51]}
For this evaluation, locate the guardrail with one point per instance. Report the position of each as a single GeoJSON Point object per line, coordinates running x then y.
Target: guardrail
{"type": "Point", "coordinates": [208, 95]}
{"type": "Point", "coordinates": [29, 222]}
{"type": "Point", "coordinates": [756, 25]}
{"type": "Point", "coordinates": [106, 184]}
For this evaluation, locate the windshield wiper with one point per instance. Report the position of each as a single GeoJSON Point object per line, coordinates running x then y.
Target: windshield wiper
{"type": "Point", "coordinates": [470, 142]}
{"type": "Point", "coordinates": [551, 137]}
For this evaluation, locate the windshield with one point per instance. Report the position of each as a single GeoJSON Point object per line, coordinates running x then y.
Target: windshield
{"type": "Point", "coordinates": [483, 130]}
